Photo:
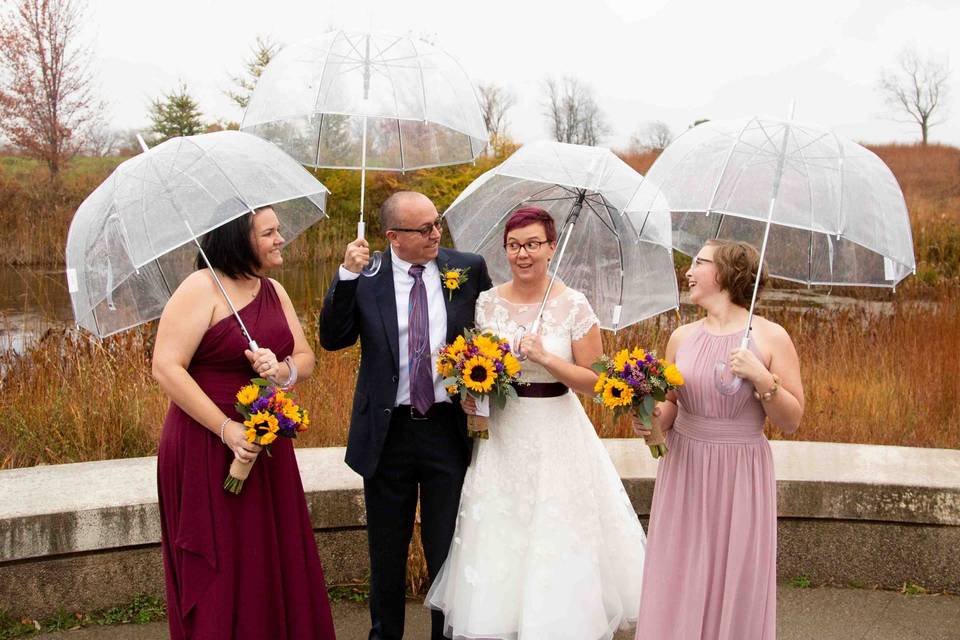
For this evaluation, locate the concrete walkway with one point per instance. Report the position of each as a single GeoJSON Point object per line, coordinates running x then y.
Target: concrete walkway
{"type": "Point", "coordinates": [803, 614]}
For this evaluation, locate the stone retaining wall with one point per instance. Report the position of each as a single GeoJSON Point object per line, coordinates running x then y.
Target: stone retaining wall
{"type": "Point", "coordinates": [86, 536]}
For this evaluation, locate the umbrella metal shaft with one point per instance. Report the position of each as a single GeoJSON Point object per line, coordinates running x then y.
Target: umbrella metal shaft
{"type": "Point", "coordinates": [246, 334]}
{"type": "Point", "coordinates": [567, 231]}
{"type": "Point", "coordinates": [766, 232]}
{"type": "Point", "coordinates": [361, 227]}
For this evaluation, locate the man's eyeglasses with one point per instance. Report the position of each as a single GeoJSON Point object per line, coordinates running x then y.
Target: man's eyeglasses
{"type": "Point", "coordinates": [424, 230]}
{"type": "Point", "coordinates": [531, 246]}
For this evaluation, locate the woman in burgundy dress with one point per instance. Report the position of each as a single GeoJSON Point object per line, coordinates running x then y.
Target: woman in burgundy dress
{"type": "Point", "coordinates": [237, 566]}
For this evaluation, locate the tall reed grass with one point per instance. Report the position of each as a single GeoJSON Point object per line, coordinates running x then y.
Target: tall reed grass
{"type": "Point", "coordinates": [887, 375]}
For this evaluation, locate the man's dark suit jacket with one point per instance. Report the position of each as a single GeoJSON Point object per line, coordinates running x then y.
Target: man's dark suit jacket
{"type": "Point", "coordinates": [366, 308]}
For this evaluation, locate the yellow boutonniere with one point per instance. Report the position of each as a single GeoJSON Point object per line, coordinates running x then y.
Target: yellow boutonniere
{"type": "Point", "coordinates": [453, 279]}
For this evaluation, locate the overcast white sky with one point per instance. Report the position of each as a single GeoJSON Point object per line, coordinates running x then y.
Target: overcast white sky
{"type": "Point", "coordinates": [670, 60]}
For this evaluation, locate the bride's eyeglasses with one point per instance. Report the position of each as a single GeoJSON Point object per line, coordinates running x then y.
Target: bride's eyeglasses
{"type": "Point", "coordinates": [530, 246]}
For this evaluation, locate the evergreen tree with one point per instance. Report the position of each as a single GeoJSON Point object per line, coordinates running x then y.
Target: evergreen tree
{"type": "Point", "coordinates": [263, 52]}
{"type": "Point", "coordinates": [178, 114]}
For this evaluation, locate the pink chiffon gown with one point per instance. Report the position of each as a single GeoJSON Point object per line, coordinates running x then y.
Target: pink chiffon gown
{"type": "Point", "coordinates": [237, 566]}
{"type": "Point", "coordinates": [710, 571]}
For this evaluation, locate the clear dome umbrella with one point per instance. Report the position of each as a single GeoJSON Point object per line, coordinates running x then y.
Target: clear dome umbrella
{"type": "Point", "coordinates": [621, 261]}
{"type": "Point", "coordinates": [135, 238]}
{"type": "Point", "coordinates": [822, 210]}
{"type": "Point", "coordinates": [367, 101]}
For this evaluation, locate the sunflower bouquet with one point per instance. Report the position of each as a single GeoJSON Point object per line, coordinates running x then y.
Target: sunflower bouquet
{"type": "Point", "coordinates": [632, 382]}
{"type": "Point", "coordinates": [483, 366]}
{"type": "Point", "coordinates": [268, 412]}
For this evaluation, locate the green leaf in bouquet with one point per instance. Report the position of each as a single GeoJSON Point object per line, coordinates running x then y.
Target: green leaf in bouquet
{"type": "Point", "coordinates": [261, 382]}
{"type": "Point", "coordinates": [599, 366]}
{"type": "Point", "coordinates": [648, 404]}
{"type": "Point", "coordinates": [449, 381]}
{"type": "Point", "coordinates": [644, 415]}
{"type": "Point", "coordinates": [243, 410]}
{"type": "Point", "coordinates": [658, 394]}
{"type": "Point", "coordinates": [511, 392]}
{"type": "Point", "coordinates": [500, 400]}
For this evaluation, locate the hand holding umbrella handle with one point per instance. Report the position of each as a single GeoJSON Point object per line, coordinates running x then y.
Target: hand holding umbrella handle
{"type": "Point", "coordinates": [726, 384]}
{"type": "Point", "coordinates": [373, 266]}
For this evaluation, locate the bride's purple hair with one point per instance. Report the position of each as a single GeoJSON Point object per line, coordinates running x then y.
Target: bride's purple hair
{"type": "Point", "coordinates": [526, 216]}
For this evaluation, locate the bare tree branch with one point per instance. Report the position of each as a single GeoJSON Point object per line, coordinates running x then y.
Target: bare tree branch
{"type": "Point", "coordinates": [573, 114]}
{"type": "Point", "coordinates": [916, 89]}
{"type": "Point", "coordinates": [653, 136]}
{"type": "Point", "coordinates": [495, 101]}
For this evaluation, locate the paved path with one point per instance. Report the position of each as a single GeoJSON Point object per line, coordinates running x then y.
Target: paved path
{"type": "Point", "coordinates": [803, 614]}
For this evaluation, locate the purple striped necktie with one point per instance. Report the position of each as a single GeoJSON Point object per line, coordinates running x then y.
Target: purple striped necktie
{"type": "Point", "coordinates": [418, 341]}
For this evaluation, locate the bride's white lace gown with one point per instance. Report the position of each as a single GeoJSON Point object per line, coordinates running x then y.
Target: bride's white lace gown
{"type": "Point", "coordinates": [547, 544]}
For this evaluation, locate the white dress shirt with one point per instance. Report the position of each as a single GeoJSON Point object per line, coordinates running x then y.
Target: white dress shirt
{"type": "Point", "coordinates": [437, 311]}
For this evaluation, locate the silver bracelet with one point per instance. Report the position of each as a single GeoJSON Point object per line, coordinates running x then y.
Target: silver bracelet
{"type": "Point", "coordinates": [292, 378]}
{"type": "Point", "coordinates": [222, 426]}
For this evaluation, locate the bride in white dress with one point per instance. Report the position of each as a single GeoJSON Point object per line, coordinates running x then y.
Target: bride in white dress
{"type": "Point", "coordinates": [547, 545]}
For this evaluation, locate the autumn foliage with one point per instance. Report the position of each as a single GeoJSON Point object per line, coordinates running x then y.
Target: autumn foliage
{"type": "Point", "coordinates": [46, 99]}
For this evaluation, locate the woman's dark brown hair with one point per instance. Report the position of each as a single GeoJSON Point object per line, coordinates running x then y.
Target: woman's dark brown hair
{"type": "Point", "coordinates": [736, 264]}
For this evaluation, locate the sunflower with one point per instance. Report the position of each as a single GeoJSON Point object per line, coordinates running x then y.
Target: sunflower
{"type": "Point", "coordinates": [601, 383]}
{"type": "Point", "coordinates": [487, 347]}
{"type": "Point", "coordinates": [261, 428]}
{"type": "Point", "coordinates": [248, 394]}
{"type": "Point", "coordinates": [617, 393]}
{"type": "Point", "coordinates": [445, 367]}
{"type": "Point", "coordinates": [672, 374]}
{"type": "Point", "coordinates": [304, 420]}
{"type": "Point", "coordinates": [621, 359]}
{"type": "Point", "coordinates": [459, 346]}
{"type": "Point", "coordinates": [479, 374]}
{"type": "Point", "coordinates": [511, 364]}
{"type": "Point", "coordinates": [291, 412]}
{"type": "Point", "coordinates": [638, 354]}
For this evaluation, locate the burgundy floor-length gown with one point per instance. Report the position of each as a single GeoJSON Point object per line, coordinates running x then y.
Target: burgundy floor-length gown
{"type": "Point", "coordinates": [710, 571]}
{"type": "Point", "coordinates": [237, 566]}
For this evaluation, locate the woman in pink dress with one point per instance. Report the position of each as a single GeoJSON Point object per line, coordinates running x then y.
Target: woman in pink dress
{"type": "Point", "coordinates": [710, 570]}
{"type": "Point", "coordinates": [236, 566]}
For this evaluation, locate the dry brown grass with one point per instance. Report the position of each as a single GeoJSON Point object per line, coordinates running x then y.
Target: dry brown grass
{"type": "Point", "coordinates": [880, 378]}
{"type": "Point", "coordinates": [885, 378]}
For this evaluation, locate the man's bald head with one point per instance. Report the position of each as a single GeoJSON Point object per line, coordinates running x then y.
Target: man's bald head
{"type": "Point", "coordinates": [391, 211]}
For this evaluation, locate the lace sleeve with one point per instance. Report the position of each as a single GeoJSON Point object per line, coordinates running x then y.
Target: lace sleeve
{"type": "Point", "coordinates": [582, 317]}
{"type": "Point", "coordinates": [483, 313]}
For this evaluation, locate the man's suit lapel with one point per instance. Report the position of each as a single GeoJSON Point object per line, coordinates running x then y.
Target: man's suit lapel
{"type": "Point", "coordinates": [444, 260]}
{"type": "Point", "coordinates": [387, 304]}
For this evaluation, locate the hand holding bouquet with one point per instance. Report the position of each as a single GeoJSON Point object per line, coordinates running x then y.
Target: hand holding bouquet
{"type": "Point", "coordinates": [480, 365]}
{"type": "Point", "coordinates": [633, 381]}
{"type": "Point", "coordinates": [268, 412]}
